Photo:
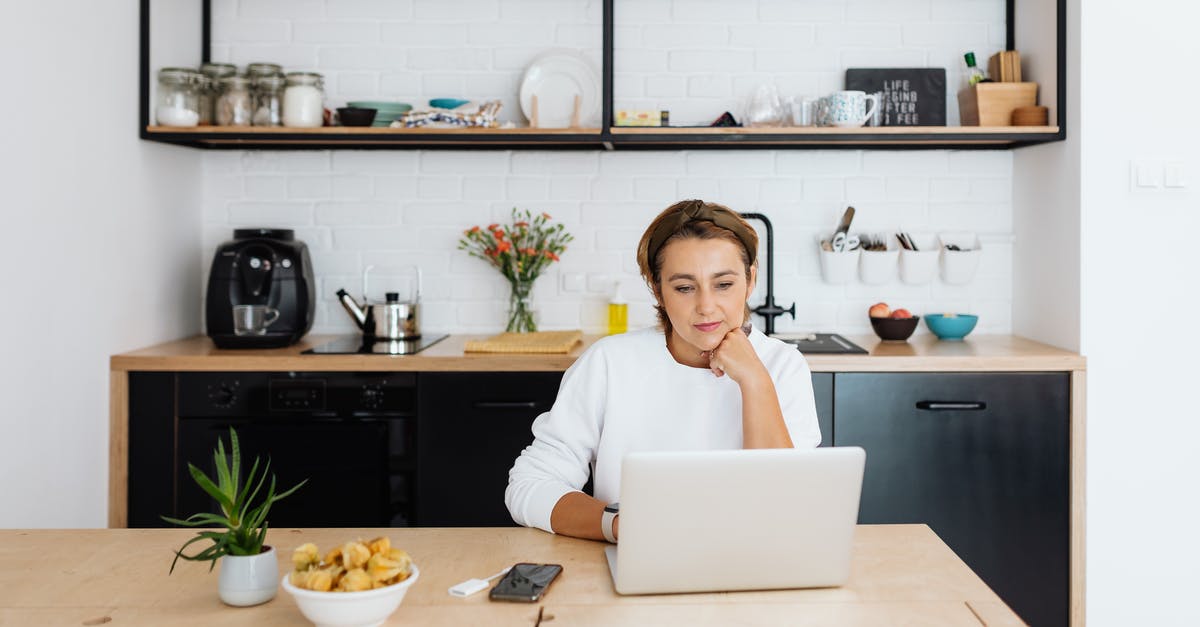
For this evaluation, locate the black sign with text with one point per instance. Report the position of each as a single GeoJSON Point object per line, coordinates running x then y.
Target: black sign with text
{"type": "Point", "coordinates": [911, 96]}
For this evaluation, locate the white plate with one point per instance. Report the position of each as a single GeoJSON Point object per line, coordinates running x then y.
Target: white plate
{"type": "Point", "coordinates": [556, 77]}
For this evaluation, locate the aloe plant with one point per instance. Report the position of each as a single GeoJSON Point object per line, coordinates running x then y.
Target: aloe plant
{"type": "Point", "coordinates": [244, 526]}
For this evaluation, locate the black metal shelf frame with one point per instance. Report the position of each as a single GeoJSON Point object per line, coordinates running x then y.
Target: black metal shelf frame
{"type": "Point", "coordinates": [605, 139]}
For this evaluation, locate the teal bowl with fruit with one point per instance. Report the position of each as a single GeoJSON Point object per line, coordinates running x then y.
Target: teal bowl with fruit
{"type": "Point", "coordinates": [951, 326]}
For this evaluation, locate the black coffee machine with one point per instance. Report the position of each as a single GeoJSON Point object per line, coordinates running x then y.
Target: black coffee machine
{"type": "Point", "coordinates": [261, 267]}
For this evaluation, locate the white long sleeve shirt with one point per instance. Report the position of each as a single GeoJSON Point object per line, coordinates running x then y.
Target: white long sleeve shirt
{"type": "Point", "coordinates": [626, 393]}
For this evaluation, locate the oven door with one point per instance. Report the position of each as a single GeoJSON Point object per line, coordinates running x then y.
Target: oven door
{"type": "Point", "coordinates": [344, 460]}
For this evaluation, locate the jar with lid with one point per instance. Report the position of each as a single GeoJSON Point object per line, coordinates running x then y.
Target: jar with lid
{"type": "Point", "coordinates": [211, 88]}
{"type": "Point", "coordinates": [178, 99]}
{"type": "Point", "coordinates": [256, 70]}
{"type": "Point", "coordinates": [268, 101]}
{"type": "Point", "coordinates": [304, 100]}
{"type": "Point", "coordinates": [234, 105]}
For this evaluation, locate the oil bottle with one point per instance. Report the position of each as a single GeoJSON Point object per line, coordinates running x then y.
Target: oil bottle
{"type": "Point", "coordinates": [618, 311]}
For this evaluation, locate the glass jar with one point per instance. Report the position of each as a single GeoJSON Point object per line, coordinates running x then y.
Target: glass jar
{"type": "Point", "coordinates": [304, 100]}
{"type": "Point", "coordinates": [234, 105]}
{"type": "Point", "coordinates": [178, 100]}
{"type": "Point", "coordinates": [256, 70]}
{"type": "Point", "coordinates": [211, 88]}
{"type": "Point", "coordinates": [268, 101]}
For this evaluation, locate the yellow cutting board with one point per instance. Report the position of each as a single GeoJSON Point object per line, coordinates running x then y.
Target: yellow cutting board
{"type": "Point", "coordinates": [535, 342]}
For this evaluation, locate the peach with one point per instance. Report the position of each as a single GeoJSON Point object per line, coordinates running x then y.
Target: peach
{"type": "Point", "coordinates": [901, 313]}
{"type": "Point", "coordinates": [879, 310]}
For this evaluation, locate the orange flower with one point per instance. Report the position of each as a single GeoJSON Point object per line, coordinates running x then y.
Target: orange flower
{"type": "Point", "coordinates": [521, 224]}
{"type": "Point", "coordinates": [491, 252]}
{"type": "Point", "coordinates": [498, 234]}
{"type": "Point", "coordinates": [551, 255]}
{"type": "Point", "coordinates": [546, 215]}
{"type": "Point", "coordinates": [503, 247]}
{"type": "Point", "coordinates": [528, 251]}
{"type": "Point", "coordinates": [475, 229]}
{"type": "Point", "coordinates": [493, 226]}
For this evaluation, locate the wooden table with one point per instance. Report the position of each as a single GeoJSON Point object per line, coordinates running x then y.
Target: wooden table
{"type": "Point", "coordinates": [901, 575]}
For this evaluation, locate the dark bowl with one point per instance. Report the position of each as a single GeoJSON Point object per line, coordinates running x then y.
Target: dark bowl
{"type": "Point", "coordinates": [356, 116]}
{"type": "Point", "coordinates": [894, 329]}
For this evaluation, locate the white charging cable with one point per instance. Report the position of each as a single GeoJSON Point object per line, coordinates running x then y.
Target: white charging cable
{"type": "Point", "coordinates": [471, 586]}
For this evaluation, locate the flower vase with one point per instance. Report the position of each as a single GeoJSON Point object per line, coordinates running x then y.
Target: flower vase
{"type": "Point", "coordinates": [520, 308]}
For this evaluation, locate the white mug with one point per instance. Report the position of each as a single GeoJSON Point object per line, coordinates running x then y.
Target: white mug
{"type": "Point", "coordinates": [848, 108]}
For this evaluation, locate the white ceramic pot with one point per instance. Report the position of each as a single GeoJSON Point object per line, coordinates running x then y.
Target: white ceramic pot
{"type": "Point", "coordinates": [248, 579]}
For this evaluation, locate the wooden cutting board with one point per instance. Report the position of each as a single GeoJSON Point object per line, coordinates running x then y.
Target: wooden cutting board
{"type": "Point", "coordinates": [540, 342]}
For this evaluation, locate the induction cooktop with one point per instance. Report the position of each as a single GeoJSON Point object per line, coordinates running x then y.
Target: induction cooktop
{"type": "Point", "coordinates": [822, 343]}
{"type": "Point", "coordinates": [360, 345]}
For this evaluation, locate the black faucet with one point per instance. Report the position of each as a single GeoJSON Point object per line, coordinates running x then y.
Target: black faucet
{"type": "Point", "coordinates": [769, 310]}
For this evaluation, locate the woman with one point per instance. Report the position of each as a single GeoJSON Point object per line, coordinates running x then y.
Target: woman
{"type": "Point", "coordinates": [704, 380]}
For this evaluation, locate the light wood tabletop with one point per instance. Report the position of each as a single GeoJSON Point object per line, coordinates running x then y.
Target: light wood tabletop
{"type": "Point", "coordinates": [900, 575]}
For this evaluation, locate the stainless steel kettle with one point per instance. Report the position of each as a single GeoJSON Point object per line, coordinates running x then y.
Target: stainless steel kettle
{"type": "Point", "coordinates": [392, 319]}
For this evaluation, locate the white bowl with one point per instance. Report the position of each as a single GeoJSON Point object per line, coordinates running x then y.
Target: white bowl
{"type": "Point", "coordinates": [351, 609]}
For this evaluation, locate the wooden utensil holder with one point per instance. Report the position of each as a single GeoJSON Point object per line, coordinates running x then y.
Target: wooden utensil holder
{"type": "Point", "coordinates": [992, 104]}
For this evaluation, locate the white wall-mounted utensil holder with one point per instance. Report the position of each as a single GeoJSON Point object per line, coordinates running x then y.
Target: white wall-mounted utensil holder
{"type": "Point", "coordinates": [918, 267]}
{"type": "Point", "coordinates": [876, 267]}
{"type": "Point", "coordinates": [838, 268]}
{"type": "Point", "coordinates": [959, 266]}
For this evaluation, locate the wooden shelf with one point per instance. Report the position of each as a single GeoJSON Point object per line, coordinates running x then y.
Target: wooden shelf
{"type": "Point", "coordinates": [595, 138]}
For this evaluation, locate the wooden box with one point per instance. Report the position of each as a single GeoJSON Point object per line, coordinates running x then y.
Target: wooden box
{"type": "Point", "coordinates": [992, 104]}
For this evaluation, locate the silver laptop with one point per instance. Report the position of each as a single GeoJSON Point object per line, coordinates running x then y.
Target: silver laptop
{"type": "Point", "coordinates": [736, 520]}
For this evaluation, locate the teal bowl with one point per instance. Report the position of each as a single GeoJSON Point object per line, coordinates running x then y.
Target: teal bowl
{"type": "Point", "coordinates": [383, 106]}
{"type": "Point", "coordinates": [950, 326]}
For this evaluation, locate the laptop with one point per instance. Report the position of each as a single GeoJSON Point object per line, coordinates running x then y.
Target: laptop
{"type": "Point", "coordinates": [703, 521]}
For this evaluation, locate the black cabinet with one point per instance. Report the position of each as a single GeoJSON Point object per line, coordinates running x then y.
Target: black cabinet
{"type": "Point", "coordinates": [823, 393]}
{"type": "Point", "coordinates": [983, 460]}
{"type": "Point", "coordinates": [471, 427]}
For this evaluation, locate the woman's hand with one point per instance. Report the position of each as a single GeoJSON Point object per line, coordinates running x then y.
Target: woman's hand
{"type": "Point", "coordinates": [735, 357]}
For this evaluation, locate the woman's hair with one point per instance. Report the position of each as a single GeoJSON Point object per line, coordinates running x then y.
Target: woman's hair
{"type": "Point", "coordinates": [691, 219]}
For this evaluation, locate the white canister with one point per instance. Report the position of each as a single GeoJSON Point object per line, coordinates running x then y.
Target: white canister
{"type": "Point", "coordinates": [304, 100]}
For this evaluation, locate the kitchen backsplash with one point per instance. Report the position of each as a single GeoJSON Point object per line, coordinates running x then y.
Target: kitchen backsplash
{"type": "Point", "coordinates": [401, 207]}
{"type": "Point", "coordinates": [695, 58]}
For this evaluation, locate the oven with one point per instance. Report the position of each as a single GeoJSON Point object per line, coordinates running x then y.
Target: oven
{"type": "Point", "coordinates": [351, 435]}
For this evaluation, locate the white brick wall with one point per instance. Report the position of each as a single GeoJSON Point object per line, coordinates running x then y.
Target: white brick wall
{"type": "Point", "coordinates": [360, 207]}
{"type": "Point", "coordinates": [695, 58]}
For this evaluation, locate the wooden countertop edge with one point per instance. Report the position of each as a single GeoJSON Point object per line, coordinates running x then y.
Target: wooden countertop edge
{"type": "Point", "coordinates": [995, 353]}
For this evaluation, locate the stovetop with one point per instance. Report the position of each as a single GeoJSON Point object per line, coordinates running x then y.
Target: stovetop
{"type": "Point", "coordinates": [359, 345]}
{"type": "Point", "coordinates": [822, 343]}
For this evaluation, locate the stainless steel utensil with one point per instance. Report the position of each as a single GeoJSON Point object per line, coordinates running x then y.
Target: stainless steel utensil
{"type": "Point", "coordinates": [392, 319]}
{"type": "Point", "coordinates": [840, 239]}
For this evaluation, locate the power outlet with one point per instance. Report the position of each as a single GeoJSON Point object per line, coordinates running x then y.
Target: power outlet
{"type": "Point", "coordinates": [1147, 174]}
{"type": "Point", "coordinates": [1174, 175]}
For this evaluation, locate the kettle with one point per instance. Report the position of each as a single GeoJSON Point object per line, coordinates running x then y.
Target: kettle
{"type": "Point", "coordinates": [392, 319]}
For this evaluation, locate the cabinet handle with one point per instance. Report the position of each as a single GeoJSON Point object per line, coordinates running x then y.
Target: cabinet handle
{"type": "Point", "coordinates": [951, 405]}
{"type": "Point", "coordinates": [506, 404]}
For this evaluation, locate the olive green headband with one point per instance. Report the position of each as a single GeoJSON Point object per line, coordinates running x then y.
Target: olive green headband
{"type": "Point", "coordinates": [694, 210]}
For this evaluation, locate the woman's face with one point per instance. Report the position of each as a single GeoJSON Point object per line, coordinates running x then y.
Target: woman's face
{"type": "Point", "coordinates": [704, 290]}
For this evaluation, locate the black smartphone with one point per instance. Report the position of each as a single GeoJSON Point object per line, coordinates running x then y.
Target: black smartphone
{"type": "Point", "coordinates": [525, 582]}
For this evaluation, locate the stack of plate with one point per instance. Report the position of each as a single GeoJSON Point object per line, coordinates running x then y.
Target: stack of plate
{"type": "Point", "coordinates": [386, 111]}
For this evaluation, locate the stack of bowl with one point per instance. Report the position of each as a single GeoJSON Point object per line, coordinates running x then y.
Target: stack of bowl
{"type": "Point", "coordinates": [386, 111]}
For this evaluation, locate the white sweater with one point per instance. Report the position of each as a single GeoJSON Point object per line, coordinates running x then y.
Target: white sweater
{"type": "Point", "coordinates": [627, 393]}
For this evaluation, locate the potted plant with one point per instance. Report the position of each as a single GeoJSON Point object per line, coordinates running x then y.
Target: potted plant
{"type": "Point", "coordinates": [249, 570]}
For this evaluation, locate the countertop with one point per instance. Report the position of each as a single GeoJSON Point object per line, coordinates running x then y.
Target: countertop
{"type": "Point", "coordinates": [900, 574]}
{"type": "Point", "coordinates": [923, 353]}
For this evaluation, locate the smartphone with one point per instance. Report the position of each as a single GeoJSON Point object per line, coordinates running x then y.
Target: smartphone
{"type": "Point", "coordinates": [525, 582]}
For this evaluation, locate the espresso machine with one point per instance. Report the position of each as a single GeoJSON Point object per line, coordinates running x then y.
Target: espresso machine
{"type": "Point", "coordinates": [261, 292]}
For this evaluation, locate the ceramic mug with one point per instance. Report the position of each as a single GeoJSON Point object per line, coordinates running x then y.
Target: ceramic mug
{"type": "Point", "coordinates": [847, 108]}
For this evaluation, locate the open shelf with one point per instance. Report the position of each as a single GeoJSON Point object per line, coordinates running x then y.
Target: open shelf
{"type": "Point", "coordinates": [593, 138]}
{"type": "Point", "coordinates": [1041, 24]}
{"type": "Point", "coordinates": [374, 137]}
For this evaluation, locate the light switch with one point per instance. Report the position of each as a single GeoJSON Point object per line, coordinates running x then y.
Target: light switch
{"type": "Point", "coordinates": [572, 281]}
{"type": "Point", "coordinates": [1174, 175]}
{"type": "Point", "coordinates": [1147, 174]}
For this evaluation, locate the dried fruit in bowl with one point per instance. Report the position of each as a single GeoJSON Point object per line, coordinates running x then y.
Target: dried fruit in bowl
{"type": "Point", "coordinates": [352, 567]}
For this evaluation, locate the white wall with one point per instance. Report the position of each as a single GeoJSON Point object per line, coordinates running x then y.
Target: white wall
{"type": "Point", "coordinates": [694, 57]}
{"type": "Point", "coordinates": [1138, 298]}
{"type": "Point", "coordinates": [98, 252]}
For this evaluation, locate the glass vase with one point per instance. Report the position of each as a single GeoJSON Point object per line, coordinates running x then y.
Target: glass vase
{"type": "Point", "coordinates": [520, 308]}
